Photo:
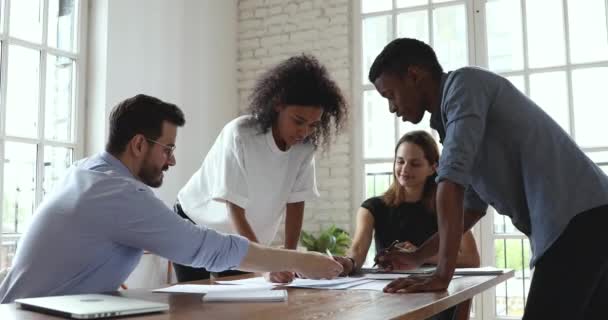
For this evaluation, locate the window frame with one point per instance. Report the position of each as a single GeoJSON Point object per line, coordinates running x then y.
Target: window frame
{"type": "Point", "coordinates": [79, 87]}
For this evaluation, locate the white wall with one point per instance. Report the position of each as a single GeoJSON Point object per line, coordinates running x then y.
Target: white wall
{"type": "Point", "coordinates": [181, 51]}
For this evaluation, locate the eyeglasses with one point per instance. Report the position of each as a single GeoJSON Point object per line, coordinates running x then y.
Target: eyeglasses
{"type": "Point", "coordinates": [168, 149]}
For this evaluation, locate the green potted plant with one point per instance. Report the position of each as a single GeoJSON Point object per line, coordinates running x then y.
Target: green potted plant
{"type": "Point", "coordinates": [334, 239]}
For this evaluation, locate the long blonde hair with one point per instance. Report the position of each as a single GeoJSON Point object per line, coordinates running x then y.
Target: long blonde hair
{"type": "Point", "coordinates": [395, 194]}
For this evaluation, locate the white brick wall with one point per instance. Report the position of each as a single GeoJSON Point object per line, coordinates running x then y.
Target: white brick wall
{"type": "Point", "coordinates": [273, 30]}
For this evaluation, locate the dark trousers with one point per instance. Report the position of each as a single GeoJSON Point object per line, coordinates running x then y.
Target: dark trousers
{"type": "Point", "coordinates": [187, 273]}
{"type": "Point", "coordinates": [571, 279]}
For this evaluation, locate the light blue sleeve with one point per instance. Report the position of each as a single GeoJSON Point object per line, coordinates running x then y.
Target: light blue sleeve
{"type": "Point", "coordinates": [141, 220]}
{"type": "Point", "coordinates": [465, 108]}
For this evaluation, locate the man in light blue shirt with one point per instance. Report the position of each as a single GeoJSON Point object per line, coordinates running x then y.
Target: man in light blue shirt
{"type": "Point", "coordinates": [500, 148]}
{"type": "Point", "coordinates": [88, 235]}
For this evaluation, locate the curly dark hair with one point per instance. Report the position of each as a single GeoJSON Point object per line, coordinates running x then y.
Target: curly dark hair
{"type": "Point", "coordinates": [299, 80]}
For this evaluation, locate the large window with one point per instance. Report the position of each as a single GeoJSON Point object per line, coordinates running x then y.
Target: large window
{"type": "Point", "coordinates": [555, 51]}
{"type": "Point", "coordinates": [40, 82]}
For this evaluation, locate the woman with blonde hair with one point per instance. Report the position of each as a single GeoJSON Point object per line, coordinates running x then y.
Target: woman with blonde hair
{"type": "Point", "coordinates": [406, 212]}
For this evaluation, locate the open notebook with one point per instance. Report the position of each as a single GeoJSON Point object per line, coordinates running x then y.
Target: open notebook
{"type": "Point", "coordinates": [253, 295]}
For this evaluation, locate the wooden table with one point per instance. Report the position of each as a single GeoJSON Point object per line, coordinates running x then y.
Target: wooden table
{"type": "Point", "coordinates": [304, 304]}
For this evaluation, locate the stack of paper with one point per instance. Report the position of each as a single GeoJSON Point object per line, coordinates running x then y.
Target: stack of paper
{"type": "Point", "coordinates": [260, 295]}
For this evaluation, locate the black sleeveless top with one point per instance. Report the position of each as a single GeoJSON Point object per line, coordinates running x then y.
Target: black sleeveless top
{"type": "Point", "coordinates": [409, 221]}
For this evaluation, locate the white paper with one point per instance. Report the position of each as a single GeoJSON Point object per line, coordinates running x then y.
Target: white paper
{"type": "Point", "coordinates": [205, 288]}
{"type": "Point", "coordinates": [375, 285]}
{"type": "Point", "coordinates": [479, 271]}
{"type": "Point", "coordinates": [336, 286]}
{"type": "Point", "coordinates": [423, 270]}
{"type": "Point", "coordinates": [338, 283]}
{"type": "Point", "coordinates": [253, 295]}
{"type": "Point", "coordinates": [258, 281]}
{"type": "Point", "coordinates": [384, 276]}
{"type": "Point", "coordinates": [322, 283]}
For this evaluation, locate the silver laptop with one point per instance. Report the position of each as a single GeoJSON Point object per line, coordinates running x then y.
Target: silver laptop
{"type": "Point", "coordinates": [90, 306]}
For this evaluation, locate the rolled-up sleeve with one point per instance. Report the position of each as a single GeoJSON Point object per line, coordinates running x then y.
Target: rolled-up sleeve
{"type": "Point", "coordinates": [464, 111]}
{"type": "Point", "coordinates": [140, 220]}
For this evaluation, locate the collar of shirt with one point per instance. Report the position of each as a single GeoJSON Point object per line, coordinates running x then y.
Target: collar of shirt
{"type": "Point", "coordinates": [116, 164]}
{"type": "Point", "coordinates": [436, 122]}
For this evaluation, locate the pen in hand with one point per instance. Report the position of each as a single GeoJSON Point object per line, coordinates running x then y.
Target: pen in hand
{"type": "Point", "coordinates": [385, 251]}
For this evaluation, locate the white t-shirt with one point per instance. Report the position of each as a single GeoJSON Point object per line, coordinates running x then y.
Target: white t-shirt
{"type": "Point", "coordinates": [247, 168]}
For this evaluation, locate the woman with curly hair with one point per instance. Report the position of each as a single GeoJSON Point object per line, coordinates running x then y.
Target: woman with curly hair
{"type": "Point", "coordinates": [262, 164]}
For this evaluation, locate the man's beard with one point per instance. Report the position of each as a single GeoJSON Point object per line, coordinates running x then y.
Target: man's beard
{"type": "Point", "coordinates": [151, 176]}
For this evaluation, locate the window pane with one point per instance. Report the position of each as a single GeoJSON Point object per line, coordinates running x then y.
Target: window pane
{"type": "Point", "coordinates": [424, 124]}
{"type": "Point", "coordinates": [62, 30]}
{"type": "Point", "coordinates": [377, 33]}
{"type": "Point", "coordinates": [59, 104]}
{"type": "Point", "coordinates": [378, 126]}
{"type": "Point", "coordinates": [378, 177]}
{"type": "Point", "coordinates": [589, 91]}
{"type": "Point", "coordinates": [2, 2]}
{"type": "Point", "coordinates": [511, 295]}
{"type": "Point", "coordinates": [410, 3]}
{"type": "Point", "coordinates": [413, 24]}
{"type": "Point", "coordinates": [22, 92]}
{"type": "Point", "coordinates": [57, 160]}
{"type": "Point", "coordinates": [601, 158]}
{"type": "Point", "coordinates": [550, 91]}
{"type": "Point", "coordinates": [450, 36]}
{"type": "Point", "coordinates": [546, 39]}
{"type": "Point", "coordinates": [587, 22]}
{"type": "Point", "coordinates": [505, 44]}
{"type": "Point", "coordinates": [518, 82]}
{"type": "Point", "coordinates": [7, 252]}
{"type": "Point", "coordinates": [26, 20]}
{"type": "Point", "coordinates": [503, 224]}
{"type": "Point", "coordinates": [368, 6]}
{"type": "Point", "coordinates": [19, 186]}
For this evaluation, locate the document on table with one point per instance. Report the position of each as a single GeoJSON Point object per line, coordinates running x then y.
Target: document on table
{"type": "Point", "coordinates": [252, 295]}
{"type": "Point", "coordinates": [430, 270]}
{"type": "Point", "coordinates": [337, 284]}
{"type": "Point", "coordinates": [392, 276]}
{"type": "Point", "coordinates": [479, 271]}
{"type": "Point", "coordinates": [375, 285]}
{"type": "Point", "coordinates": [424, 270]}
{"type": "Point", "coordinates": [205, 288]}
{"type": "Point", "coordinates": [257, 281]}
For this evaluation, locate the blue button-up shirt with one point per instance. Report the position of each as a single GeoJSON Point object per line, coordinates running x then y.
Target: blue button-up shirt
{"type": "Point", "coordinates": [89, 234]}
{"type": "Point", "coordinates": [510, 154]}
